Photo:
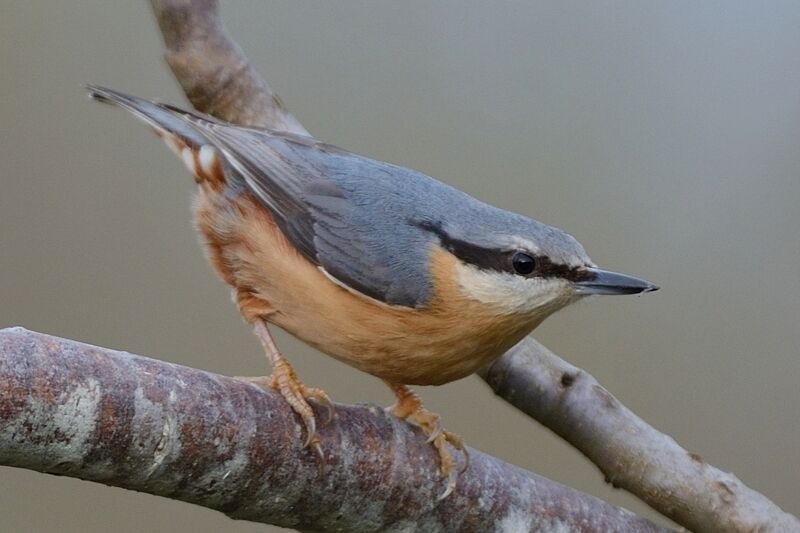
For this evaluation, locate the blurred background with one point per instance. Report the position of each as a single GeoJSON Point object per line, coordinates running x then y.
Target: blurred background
{"type": "Point", "coordinates": [663, 135]}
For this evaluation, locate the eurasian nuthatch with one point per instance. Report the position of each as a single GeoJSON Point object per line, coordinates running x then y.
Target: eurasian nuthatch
{"type": "Point", "coordinates": [383, 268]}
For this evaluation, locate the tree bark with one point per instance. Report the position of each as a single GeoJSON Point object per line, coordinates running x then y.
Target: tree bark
{"type": "Point", "coordinates": [73, 409]}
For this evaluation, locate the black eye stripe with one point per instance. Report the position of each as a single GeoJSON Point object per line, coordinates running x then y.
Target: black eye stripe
{"type": "Point", "coordinates": [502, 260]}
{"type": "Point", "coordinates": [547, 269]}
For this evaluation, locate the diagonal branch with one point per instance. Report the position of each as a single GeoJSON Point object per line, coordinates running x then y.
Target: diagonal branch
{"type": "Point", "coordinates": [631, 453]}
{"type": "Point", "coordinates": [219, 80]}
{"type": "Point", "coordinates": [73, 409]}
{"type": "Point", "coordinates": [213, 71]}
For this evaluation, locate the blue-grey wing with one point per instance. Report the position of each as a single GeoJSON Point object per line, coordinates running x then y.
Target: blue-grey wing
{"type": "Point", "coordinates": [343, 212]}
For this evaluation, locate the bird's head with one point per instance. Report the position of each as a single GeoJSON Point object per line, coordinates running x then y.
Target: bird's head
{"type": "Point", "coordinates": [520, 266]}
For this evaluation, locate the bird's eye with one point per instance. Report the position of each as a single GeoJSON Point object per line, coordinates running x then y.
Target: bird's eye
{"type": "Point", "coordinates": [523, 263]}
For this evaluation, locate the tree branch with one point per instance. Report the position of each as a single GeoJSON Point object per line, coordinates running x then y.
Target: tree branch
{"type": "Point", "coordinates": [73, 409]}
{"type": "Point", "coordinates": [219, 80]}
{"type": "Point", "coordinates": [632, 454]}
{"type": "Point", "coordinates": [213, 71]}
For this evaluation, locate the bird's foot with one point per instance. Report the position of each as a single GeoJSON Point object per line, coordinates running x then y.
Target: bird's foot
{"type": "Point", "coordinates": [409, 408]}
{"type": "Point", "coordinates": [285, 381]}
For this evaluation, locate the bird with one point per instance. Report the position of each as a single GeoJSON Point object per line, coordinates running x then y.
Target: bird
{"type": "Point", "coordinates": [381, 267]}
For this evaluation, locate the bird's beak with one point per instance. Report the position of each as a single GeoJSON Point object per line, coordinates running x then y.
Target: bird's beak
{"type": "Point", "coordinates": [605, 282]}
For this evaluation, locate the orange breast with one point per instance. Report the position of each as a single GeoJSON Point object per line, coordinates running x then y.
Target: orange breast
{"type": "Point", "coordinates": [448, 339]}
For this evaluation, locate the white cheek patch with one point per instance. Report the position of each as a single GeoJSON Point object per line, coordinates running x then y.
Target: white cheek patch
{"type": "Point", "coordinates": [508, 292]}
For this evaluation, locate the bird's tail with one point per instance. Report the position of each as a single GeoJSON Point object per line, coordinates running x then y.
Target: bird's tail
{"type": "Point", "coordinates": [170, 123]}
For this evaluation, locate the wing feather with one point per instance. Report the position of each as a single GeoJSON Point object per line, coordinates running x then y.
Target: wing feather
{"type": "Point", "coordinates": [307, 186]}
{"type": "Point", "coordinates": [345, 213]}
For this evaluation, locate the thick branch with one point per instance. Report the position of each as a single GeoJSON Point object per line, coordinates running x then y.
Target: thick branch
{"type": "Point", "coordinates": [219, 80]}
{"type": "Point", "coordinates": [632, 454]}
{"type": "Point", "coordinates": [77, 410]}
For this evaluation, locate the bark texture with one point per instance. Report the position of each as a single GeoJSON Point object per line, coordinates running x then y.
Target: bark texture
{"type": "Point", "coordinates": [73, 409]}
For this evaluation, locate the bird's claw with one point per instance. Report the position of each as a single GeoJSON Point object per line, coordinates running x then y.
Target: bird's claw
{"type": "Point", "coordinates": [458, 443]}
{"type": "Point", "coordinates": [409, 408]}
{"type": "Point", "coordinates": [452, 477]}
{"type": "Point", "coordinates": [316, 447]}
{"type": "Point", "coordinates": [447, 462]}
{"type": "Point", "coordinates": [300, 394]}
{"type": "Point", "coordinates": [321, 398]}
{"type": "Point", "coordinates": [297, 395]}
{"type": "Point", "coordinates": [284, 380]}
{"type": "Point", "coordinates": [437, 430]}
{"type": "Point", "coordinates": [311, 429]}
{"type": "Point", "coordinates": [313, 443]}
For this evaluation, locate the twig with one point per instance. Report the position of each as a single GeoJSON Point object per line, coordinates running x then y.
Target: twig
{"type": "Point", "coordinates": [124, 420]}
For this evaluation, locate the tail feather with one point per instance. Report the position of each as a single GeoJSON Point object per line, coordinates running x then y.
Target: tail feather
{"type": "Point", "coordinates": [171, 124]}
{"type": "Point", "coordinates": [159, 116]}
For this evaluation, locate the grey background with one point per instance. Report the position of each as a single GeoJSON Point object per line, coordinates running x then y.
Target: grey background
{"type": "Point", "coordinates": [663, 135]}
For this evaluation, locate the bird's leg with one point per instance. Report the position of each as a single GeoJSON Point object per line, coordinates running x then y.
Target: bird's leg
{"type": "Point", "coordinates": [409, 407]}
{"type": "Point", "coordinates": [284, 380]}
